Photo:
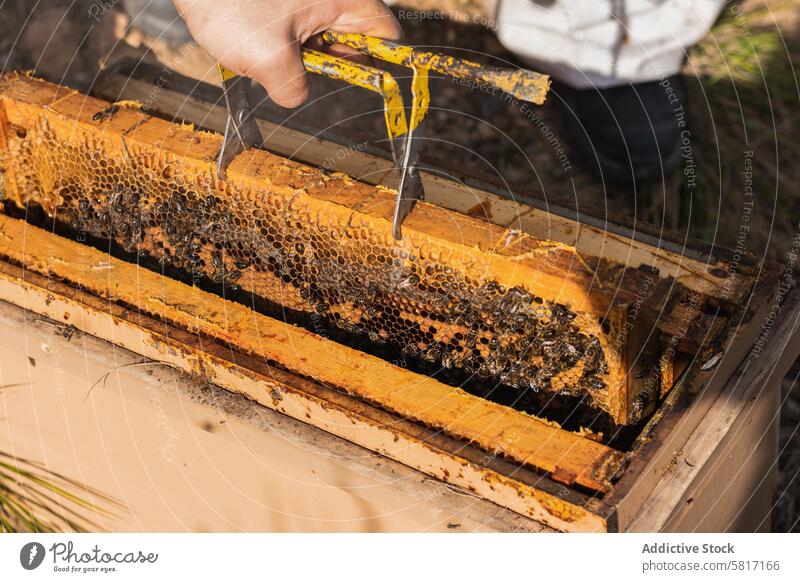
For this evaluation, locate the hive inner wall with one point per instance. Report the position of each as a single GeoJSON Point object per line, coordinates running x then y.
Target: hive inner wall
{"type": "Point", "coordinates": [334, 267]}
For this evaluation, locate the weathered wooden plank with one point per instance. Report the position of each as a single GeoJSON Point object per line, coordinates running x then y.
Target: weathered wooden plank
{"type": "Point", "coordinates": [688, 403]}
{"type": "Point", "coordinates": [413, 445]}
{"type": "Point", "coordinates": [748, 403]}
{"type": "Point", "coordinates": [251, 450]}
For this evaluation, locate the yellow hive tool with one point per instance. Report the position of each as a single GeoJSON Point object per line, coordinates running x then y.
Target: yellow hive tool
{"type": "Point", "coordinates": [405, 137]}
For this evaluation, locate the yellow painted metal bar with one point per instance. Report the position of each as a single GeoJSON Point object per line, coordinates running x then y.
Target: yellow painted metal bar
{"type": "Point", "coordinates": [391, 52]}
{"type": "Point", "coordinates": [421, 95]}
{"type": "Point", "coordinates": [366, 77]}
{"type": "Point", "coordinates": [519, 83]}
{"type": "Point", "coordinates": [397, 54]}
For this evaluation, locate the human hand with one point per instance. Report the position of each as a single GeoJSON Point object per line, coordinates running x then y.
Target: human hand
{"type": "Point", "coordinates": [261, 39]}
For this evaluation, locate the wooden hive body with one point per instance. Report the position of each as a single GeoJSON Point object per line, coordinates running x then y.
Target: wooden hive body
{"type": "Point", "coordinates": [94, 167]}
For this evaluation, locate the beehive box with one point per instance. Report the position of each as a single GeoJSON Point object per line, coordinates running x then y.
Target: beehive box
{"type": "Point", "coordinates": [290, 234]}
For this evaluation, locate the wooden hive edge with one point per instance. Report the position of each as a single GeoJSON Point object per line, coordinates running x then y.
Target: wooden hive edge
{"type": "Point", "coordinates": [684, 408]}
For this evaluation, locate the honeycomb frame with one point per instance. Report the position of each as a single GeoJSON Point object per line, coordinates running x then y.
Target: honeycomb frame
{"type": "Point", "coordinates": [455, 291]}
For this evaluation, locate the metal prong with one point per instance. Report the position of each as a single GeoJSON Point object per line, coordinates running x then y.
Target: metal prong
{"type": "Point", "coordinates": [241, 130]}
{"type": "Point", "coordinates": [228, 150]}
{"type": "Point", "coordinates": [410, 189]}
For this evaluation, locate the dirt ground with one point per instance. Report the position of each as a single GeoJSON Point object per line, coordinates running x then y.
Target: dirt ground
{"type": "Point", "coordinates": [742, 97]}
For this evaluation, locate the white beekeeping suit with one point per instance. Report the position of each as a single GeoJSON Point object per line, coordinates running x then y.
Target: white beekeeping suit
{"type": "Point", "coordinates": [604, 43]}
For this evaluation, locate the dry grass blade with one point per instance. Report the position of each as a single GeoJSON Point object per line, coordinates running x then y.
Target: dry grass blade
{"type": "Point", "coordinates": [33, 499]}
